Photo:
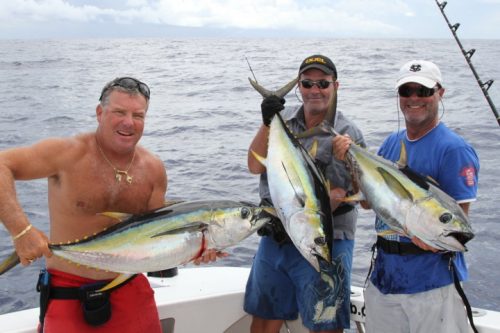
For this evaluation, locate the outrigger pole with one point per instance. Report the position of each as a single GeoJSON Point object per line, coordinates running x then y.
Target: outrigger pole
{"type": "Point", "coordinates": [468, 55]}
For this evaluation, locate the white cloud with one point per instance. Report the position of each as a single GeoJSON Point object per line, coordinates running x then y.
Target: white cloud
{"type": "Point", "coordinates": [316, 17]}
{"type": "Point", "coordinates": [255, 14]}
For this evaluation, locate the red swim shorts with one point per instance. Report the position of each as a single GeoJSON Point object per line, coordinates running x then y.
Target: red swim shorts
{"type": "Point", "coordinates": [133, 308]}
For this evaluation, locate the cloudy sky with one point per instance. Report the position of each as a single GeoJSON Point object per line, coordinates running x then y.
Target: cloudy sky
{"type": "Point", "coordinates": [247, 18]}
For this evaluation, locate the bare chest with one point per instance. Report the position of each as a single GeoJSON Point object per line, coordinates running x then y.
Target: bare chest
{"type": "Point", "coordinates": [91, 188]}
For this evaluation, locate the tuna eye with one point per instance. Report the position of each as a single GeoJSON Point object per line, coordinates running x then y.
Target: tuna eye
{"type": "Point", "coordinates": [445, 218]}
{"type": "Point", "coordinates": [245, 212]}
{"type": "Point", "coordinates": [320, 241]}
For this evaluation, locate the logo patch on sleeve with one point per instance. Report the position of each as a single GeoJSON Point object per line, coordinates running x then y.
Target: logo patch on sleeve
{"type": "Point", "coordinates": [468, 174]}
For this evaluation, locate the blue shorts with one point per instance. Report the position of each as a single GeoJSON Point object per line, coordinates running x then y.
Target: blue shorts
{"type": "Point", "coordinates": [282, 284]}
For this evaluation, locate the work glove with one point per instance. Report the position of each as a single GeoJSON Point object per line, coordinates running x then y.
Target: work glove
{"type": "Point", "coordinates": [270, 106]}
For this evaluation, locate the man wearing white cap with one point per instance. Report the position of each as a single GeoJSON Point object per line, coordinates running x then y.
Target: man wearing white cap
{"type": "Point", "coordinates": [411, 287]}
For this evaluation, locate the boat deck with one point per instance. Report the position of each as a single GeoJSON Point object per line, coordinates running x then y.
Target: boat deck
{"type": "Point", "coordinates": [215, 296]}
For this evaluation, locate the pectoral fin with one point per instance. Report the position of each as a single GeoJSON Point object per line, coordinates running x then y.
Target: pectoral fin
{"type": "Point", "coordinates": [395, 185]}
{"type": "Point", "coordinates": [299, 195]}
{"type": "Point", "coordinates": [193, 226]}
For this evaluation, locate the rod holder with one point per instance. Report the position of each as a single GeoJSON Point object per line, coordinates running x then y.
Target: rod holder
{"type": "Point", "coordinates": [487, 84]}
{"type": "Point", "coordinates": [470, 53]}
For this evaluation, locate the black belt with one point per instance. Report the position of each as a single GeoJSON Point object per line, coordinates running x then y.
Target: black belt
{"type": "Point", "coordinates": [86, 291]}
{"type": "Point", "coordinates": [401, 248]}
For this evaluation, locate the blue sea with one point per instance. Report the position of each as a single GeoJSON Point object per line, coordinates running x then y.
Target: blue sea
{"type": "Point", "coordinates": [204, 113]}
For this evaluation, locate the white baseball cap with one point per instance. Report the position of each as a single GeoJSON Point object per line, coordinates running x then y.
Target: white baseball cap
{"type": "Point", "coordinates": [423, 72]}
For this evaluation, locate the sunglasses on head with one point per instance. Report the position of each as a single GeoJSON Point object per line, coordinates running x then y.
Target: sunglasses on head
{"type": "Point", "coordinates": [420, 91]}
{"type": "Point", "coordinates": [128, 83]}
{"type": "Point", "coordinates": [321, 84]}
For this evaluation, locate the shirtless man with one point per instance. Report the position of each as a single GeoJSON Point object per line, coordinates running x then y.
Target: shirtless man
{"type": "Point", "coordinates": [89, 174]}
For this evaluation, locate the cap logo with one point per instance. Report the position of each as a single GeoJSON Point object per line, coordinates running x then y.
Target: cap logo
{"type": "Point", "coordinates": [415, 68]}
{"type": "Point", "coordinates": [317, 59]}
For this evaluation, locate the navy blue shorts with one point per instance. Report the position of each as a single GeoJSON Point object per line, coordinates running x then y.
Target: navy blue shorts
{"type": "Point", "coordinates": [283, 284]}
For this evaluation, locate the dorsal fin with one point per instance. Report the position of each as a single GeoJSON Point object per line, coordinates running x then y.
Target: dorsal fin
{"type": "Point", "coordinates": [403, 156]}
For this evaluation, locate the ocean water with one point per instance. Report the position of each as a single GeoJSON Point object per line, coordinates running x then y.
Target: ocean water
{"type": "Point", "coordinates": [204, 113]}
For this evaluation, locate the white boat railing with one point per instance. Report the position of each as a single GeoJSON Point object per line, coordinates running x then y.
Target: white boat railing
{"type": "Point", "coordinates": [210, 300]}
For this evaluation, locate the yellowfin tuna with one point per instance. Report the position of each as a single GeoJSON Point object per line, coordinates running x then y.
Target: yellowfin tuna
{"type": "Point", "coordinates": [298, 189]}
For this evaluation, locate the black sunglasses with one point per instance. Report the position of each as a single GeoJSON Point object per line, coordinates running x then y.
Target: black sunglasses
{"type": "Point", "coordinates": [129, 83]}
{"type": "Point", "coordinates": [421, 91]}
{"type": "Point", "coordinates": [321, 84]}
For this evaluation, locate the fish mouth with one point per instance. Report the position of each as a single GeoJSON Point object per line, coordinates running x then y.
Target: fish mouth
{"type": "Point", "coordinates": [323, 264]}
{"type": "Point", "coordinates": [461, 237]}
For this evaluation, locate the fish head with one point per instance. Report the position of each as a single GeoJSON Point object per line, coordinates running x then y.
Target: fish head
{"type": "Point", "coordinates": [442, 225]}
{"type": "Point", "coordinates": [307, 234]}
{"type": "Point", "coordinates": [233, 224]}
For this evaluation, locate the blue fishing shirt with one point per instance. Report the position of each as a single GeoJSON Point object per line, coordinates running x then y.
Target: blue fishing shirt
{"type": "Point", "coordinates": [452, 162]}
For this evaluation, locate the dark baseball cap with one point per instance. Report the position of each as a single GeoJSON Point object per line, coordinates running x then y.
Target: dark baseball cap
{"type": "Point", "coordinates": [320, 62]}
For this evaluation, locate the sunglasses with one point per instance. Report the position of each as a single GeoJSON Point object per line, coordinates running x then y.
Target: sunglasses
{"type": "Point", "coordinates": [420, 91]}
{"type": "Point", "coordinates": [321, 84]}
{"type": "Point", "coordinates": [128, 83]}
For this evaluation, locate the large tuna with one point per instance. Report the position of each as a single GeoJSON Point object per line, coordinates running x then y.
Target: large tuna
{"type": "Point", "coordinates": [299, 191]}
{"type": "Point", "coordinates": [164, 238]}
{"type": "Point", "coordinates": [408, 203]}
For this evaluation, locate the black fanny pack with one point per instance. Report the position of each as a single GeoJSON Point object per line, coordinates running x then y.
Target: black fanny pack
{"type": "Point", "coordinates": [96, 305]}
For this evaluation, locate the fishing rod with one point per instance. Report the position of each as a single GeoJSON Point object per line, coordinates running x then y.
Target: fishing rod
{"type": "Point", "coordinates": [468, 55]}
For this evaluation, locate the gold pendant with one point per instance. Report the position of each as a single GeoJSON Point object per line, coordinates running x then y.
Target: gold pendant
{"type": "Point", "coordinates": [120, 173]}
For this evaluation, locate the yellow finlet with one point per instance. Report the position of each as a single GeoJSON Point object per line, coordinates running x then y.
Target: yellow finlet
{"type": "Point", "coordinates": [122, 278]}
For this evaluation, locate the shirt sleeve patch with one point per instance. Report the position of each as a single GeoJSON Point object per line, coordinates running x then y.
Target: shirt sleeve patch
{"type": "Point", "coordinates": [469, 174]}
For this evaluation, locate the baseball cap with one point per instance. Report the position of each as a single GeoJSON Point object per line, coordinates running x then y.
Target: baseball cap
{"type": "Point", "coordinates": [423, 72]}
{"type": "Point", "coordinates": [319, 62]}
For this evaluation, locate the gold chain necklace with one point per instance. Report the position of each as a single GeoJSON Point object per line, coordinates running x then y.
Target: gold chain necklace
{"type": "Point", "coordinates": [118, 173]}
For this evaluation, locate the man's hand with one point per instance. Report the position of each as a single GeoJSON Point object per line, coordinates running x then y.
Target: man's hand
{"type": "Point", "coordinates": [336, 196]}
{"type": "Point", "coordinates": [340, 145]}
{"type": "Point", "coordinates": [31, 246]}
{"type": "Point", "coordinates": [270, 106]}
{"type": "Point", "coordinates": [209, 256]}
{"type": "Point", "coordinates": [418, 242]}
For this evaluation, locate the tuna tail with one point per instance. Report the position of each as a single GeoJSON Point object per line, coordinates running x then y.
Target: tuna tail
{"type": "Point", "coordinates": [9, 263]}
{"type": "Point", "coordinates": [280, 92]}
